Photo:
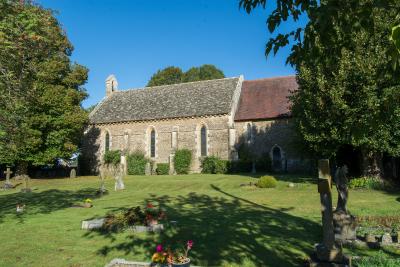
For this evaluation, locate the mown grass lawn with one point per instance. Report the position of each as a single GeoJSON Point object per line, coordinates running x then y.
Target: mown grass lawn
{"type": "Point", "coordinates": [229, 224]}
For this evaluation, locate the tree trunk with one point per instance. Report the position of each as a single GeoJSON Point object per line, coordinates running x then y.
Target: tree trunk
{"type": "Point", "coordinates": [372, 163]}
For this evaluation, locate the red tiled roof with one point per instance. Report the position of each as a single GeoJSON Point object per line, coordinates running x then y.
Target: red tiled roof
{"type": "Point", "coordinates": [265, 98]}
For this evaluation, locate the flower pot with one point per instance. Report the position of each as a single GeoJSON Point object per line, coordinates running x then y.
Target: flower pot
{"type": "Point", "coordinates": [87, 205]}
{"type": "Point", "coordinates": [186, 264]}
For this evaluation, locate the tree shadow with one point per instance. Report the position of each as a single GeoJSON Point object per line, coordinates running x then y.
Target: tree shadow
{"type": "Point", "coordinates": [224, 228]}
{"type": "Point", "coordinates": [42, 202]}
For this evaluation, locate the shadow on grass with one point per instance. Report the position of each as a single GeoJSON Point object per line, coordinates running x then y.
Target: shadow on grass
{"type": "Point", "coordinates": [42, 202]}
{"type": "Point", "coordinates": [223, 228]}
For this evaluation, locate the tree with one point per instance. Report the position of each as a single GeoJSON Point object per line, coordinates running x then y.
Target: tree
{"type": "Point", "coordinates": [327, 12]}
{"type": "Point", "coordinates": [349, 94]}
{"type": "Point", "coordinates": [204, 72]}
{"type": "Point", "coordinates": [169, 75]}
{"type": "Point", "coordinates": [40, 90]}
{"type": "Point", "coordinates": [173, 75]}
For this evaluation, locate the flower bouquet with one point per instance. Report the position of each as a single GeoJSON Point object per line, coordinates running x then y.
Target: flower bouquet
{"type": "Point", "coordinates": [154, 214]}
{"type": "Point", "coordinates": [172, 259]}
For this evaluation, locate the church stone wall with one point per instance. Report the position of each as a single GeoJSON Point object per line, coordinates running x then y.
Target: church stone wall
{"type": "Point", "coordinates": [136, 136]}
{"type": "Point", "coordinates": [265, 135]}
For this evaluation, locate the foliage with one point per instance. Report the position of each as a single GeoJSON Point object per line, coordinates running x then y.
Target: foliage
{"type": "Point", "coordinates": [112, 157]}
{"type": "Point", "coordinates": [40, 90]}
{"type": "Point", "coordinates": [88, 200]}
{"type": "Point", "coordinates": [378, 225]}
{"type": "Point", "coordinates": [182, 161]}
{"type": "Point", "coordinates": [214, 165]}
{"type": "Point", "coordinates": [267, 182]}
{"type": "Point", "coordinates": [264, 163]}
{"type": "Point", "coordinates": [379, 260]}
{"type": "Point", "coordinates": [174, 75]}
{"type": "Point", "coordinates": [350, 16]}
{"type": "Point", "coordinates": [136, 162]}
{"type": "Point", "coordinates": [123, 219]}
{"type": "Point", "coordinates": [367, 183]}
{"type": "Point", "coordinates": [133, 216]}
{"type": "Point", "coordinates": [154, 213]}
{"type": "Point", "coordinates": [162, 168]}
{"type": "Point", "coordinates": [204, 72]}
{"type": "Point", "coordinates": [349, 93]}
{"type": "Point", "coordinates": [169, 75]}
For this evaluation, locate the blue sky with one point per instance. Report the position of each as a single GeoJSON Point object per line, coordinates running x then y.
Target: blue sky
{"type": "Point", "coordinates": [134, 38]}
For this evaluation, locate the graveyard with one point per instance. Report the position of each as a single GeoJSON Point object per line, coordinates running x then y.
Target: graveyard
{"type": "Point", "coordinates": [230, 222]}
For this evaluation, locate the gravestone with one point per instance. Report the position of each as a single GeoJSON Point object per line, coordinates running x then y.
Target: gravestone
{"type": "Point", "coordinates": [326, 252]}
{"type": "Point", "coordinates": [92, 224]}
{"type": "Point", "coordinates": [344, 223]}
{"type": "Point", "coordinates": [147, 170]}
{"type": "Point", "coordinates": [119, 183]}
{"type": "Point", "coordinates": [386, 239]}
{"type": "Point", "coordinates": [26, 188]}
{"type": "Point", "coordinates": [171, 164]}
{"type": "Point", "coordinates": [8, 184]}
{"type": "Point", "coordinates": [72, 173]}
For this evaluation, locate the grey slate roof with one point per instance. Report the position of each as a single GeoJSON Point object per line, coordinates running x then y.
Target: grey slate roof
{"type": "Point", "coordinates": [212, 97]}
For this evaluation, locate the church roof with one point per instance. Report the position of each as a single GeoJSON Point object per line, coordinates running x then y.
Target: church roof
{"type": "Point", "coordinates": [193, 99]}
{"type": "Point", "coordinates": [265, 98]}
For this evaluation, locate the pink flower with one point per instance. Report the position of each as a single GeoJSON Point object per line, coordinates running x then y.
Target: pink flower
{"type": "Point", "coordinates": [159, 248]}
{"type": "Point", "coordinates": [190, 244]}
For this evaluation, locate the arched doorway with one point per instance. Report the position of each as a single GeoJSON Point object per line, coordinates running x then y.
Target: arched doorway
{"type": "Point", "coordinates": [276, 159]}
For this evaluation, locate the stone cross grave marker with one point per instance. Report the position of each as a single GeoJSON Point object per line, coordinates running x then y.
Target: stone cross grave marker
{"type": "Point", "coordinates": [8, 173]}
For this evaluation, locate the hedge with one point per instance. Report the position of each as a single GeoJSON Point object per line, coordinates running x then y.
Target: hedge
{"type": "Point", "coordinates": [112, 157]}
{"type": "Point", "coordinates": [162, 168]}
{"type": "Point", "coordinates": [136, 162]}
{"type": "Point", "coordinates": [182, 161]}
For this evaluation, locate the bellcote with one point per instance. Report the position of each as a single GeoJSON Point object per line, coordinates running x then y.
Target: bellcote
{"type": "Point", "coordinates": [111, 85]}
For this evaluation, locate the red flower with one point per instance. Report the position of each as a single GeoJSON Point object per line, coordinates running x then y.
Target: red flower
{"type": "Point", "coordinates": [190, 244]}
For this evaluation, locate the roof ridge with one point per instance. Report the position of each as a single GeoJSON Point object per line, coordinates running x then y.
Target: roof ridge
{"type": "Point", "coordinates": [270, 78]}
{"type": "Point", "coordinates": [159, 86]}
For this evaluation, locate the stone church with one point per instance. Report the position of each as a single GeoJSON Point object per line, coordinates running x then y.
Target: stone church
{"type": "Point", "coordinates": [211, 117]}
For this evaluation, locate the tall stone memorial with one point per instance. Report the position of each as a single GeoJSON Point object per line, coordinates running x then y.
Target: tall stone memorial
{"type": "Point", "coordinates": [327, 253]}
{"type": "Point", "coordinates": [8, 184]}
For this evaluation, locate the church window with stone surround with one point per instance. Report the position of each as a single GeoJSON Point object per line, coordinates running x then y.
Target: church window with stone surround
{"type": "Point", "coordinates": [249, 134]}
{"type": "Point", "coordinates": [152, 144]}
{"type": "Point", "coordinates": [203, 142]}
{"type": "Point", "coordinates": [107, 144]}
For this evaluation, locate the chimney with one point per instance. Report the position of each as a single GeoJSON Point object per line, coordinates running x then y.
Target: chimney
{"type": "Point", "coordinates": [111, 85]}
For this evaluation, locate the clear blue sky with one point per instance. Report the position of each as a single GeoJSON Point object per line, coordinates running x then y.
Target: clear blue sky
{"type": "Point", "coordinates": [134, 38]}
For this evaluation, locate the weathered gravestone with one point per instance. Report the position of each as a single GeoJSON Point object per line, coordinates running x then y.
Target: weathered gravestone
{"type": "Point", "coordinates": [8, 184]}
{"type": "Point", "coordinates": [72, 173]}
{"type": "Point", "coordinates": [26, 188]}
{"type": "Point", "coordinates": [327, 253]}
{"type": "Point", "coordinates": [344, 223]}
{"type": "Point", "coordinates": [147, 170]}
{"type": "Point", "coordinates": [386, 239]}
{"type": "Point", "coordinates": [118, 174]}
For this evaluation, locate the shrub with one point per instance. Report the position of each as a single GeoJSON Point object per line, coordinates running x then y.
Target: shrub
{"type": "Point", "coordinates": [267, 182]}
{"type": "Point", "coordinates": [379, 260]}
{"type": "Point", "coordinates": [112, 157]}
{"type": "Point", "coordinates": [366, 183]}
{"type": "Point", "coordinates": [182, 161]}
{"type": "Point", "coordinates": [214, 165]}
{"type": "Point", "coordinates": [162, 168]}
{"type": "Point", "coordinates": [264, 163]}
{"type": "Point", "coordinates": [136, 162]}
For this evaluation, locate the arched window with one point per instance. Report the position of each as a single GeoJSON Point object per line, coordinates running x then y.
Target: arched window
{"type": "Point", "coordinates": [249, 133]}
{"type": "Point", "coordinates": [107, 142]}
{"type": "Point", "coordinates": [153, 143]}
{"type": "Point", "coordinates": [203, 141]}
{"type": "Point", "coordinates": [277, 158]}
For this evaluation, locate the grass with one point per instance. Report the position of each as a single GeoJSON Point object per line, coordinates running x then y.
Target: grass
{"type": "Point", "coordinates": [230, 225]}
